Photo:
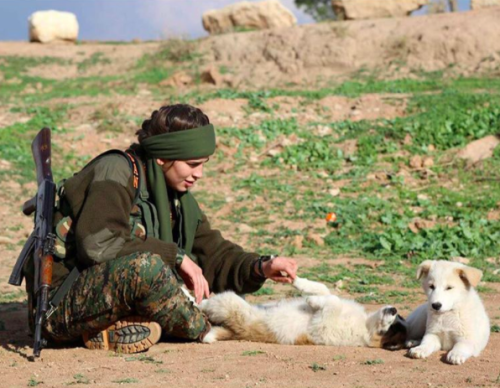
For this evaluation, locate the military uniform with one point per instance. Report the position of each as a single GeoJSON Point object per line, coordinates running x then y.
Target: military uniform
{"type": "Point", "coordinates": [125, 268]}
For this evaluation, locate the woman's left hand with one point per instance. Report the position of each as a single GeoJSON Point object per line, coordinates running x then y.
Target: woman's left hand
{"type": "Point", "coordinates": [280, 269]}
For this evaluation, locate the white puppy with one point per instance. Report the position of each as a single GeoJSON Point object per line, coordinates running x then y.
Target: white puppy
{"type": "Point", "coordinates": [454, 317]}
{"type": "Point", "coordinates": [322, 319]}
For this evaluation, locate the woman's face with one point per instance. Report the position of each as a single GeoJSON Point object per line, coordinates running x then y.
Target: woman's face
{"type": "Point", "coordinates": [181, 175]}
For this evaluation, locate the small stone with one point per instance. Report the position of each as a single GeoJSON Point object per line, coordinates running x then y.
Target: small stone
{"type": "Point", "coordinates": [459, 204]}
{"type": "Point", "coordinates": [298, 241]}
{"type": "Point", "coordinates": [6, 240]}
{"type": "Point", "coordinates": [316, 239]}
{"type": "Point", "coordinates": [416, 161]}
{"type": "Point", "coordinates": [244, 228]}
{"type": "Point", "coordinates": [339, 284]}
{"type": "Point", "coordinates": [428, 162]}
{"type": "Point", "coordinates": [334, 192]}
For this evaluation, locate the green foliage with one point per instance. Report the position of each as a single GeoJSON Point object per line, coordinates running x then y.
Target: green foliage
{"type": "Point", "coordinates": [34, 382]}
{"type": "Point", "coordinates": [264, 291]}
{"type": "Point", "coordinates": [495, 328]}
{"type": "Point", "coordinates": [15, 140]}
{"type": "Point", "coordinates": [252, 352]}
{"type": "Point", "coordinates": [95, 59]}
{"type": "Point", "coordinates": [377, 361]}
{"type": "Point", "coordinates": [128, 380]}
{"type": "Point", "coordinates": [315, 367]}
{"type": "Point", "coordinates": [319, 9]}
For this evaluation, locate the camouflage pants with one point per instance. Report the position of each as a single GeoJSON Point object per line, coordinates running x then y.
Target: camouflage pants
{"type": "Point", "coordinates": [138, 284]}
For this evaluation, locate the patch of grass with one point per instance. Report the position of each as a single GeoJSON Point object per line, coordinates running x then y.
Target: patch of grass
{"type": "Point", "coordinates": [15, 140]}
{"type": "Point", "coordinates": [79, 379]}
{"type": "Point", "coordinates": [264, 291]}
{"type": "Point", "coordinates": [315, 367]}
{"type": "Point", "coordinates": [252, 352]}
{"type": "Point", "coordinates": [12, 296]}
{"type": "Point", "coordinates": [377, 361]}
{"type": "Point", "coordinates": [495, 328]}
{"type": "Point", "coordinates": [144, 358]}
{"type": "Point", "coordinates": [97, 58]}
{"type": "Point", "coordinates": [339, 357]}
{"type": "Point", "coordinates": [164, 371]}
{"type": "Point", "coordinates": [34, 382]}
{"type": "Point", "coordinates": [126, 381]}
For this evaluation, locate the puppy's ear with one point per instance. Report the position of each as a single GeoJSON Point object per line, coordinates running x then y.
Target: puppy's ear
{"type": "Point", "coordinates": [423, 269]}
{"type": "Point", "coordinates": [470, 276]}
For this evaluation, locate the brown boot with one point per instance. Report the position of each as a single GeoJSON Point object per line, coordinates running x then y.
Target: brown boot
{"type": "Point", "coordinates": [129, 335]}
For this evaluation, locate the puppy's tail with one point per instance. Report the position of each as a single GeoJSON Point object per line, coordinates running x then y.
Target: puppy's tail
{"type": "Point", "coordinates": [310, 287]}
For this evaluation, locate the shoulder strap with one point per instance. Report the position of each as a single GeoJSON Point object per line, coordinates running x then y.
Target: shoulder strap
{"type": "Point", "coordinates": [130, 156]}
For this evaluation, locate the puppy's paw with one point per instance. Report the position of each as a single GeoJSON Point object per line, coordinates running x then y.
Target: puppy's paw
{"type": "Point", "coordinates": [457, 357]}
{"type": "Point", "coordinates": [419, 352]}
{"type": "Point", "coordinates": [210, 337]}
{"type": "Point", "coordinates": [412, 343]}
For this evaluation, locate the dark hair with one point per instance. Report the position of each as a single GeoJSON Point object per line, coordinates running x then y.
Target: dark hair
{"type": "Point", "coordinates": [172, 118]}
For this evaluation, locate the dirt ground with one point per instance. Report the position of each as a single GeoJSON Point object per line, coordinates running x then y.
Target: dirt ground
{"type": "Point", "coordinates": [464, 38]}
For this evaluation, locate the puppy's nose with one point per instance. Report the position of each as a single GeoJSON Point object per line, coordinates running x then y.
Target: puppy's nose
{"type": "Point", "coordinates": [437, 306]}
{"type": "Point", "coordinates": [392, 311]}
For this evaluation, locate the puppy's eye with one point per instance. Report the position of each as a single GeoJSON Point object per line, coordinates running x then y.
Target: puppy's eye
{"type": "Point", "coordinates": [432, 287]}
{"type": "Point", "coordinates": [449, 288]}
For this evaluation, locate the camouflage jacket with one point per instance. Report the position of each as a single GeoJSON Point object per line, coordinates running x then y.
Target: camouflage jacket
{"type": "Point", "coordinates": [101, 226]}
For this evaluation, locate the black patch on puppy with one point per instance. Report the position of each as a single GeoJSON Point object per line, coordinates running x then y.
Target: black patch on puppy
{"type": "Point", "coordinates": [395, 337]}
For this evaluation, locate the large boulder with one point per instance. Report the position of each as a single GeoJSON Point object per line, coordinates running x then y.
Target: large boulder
{"type": "Point", "coordinates": [478, 4]}
{"type": "Point", "coordinates": [49, 26]}
{"type": "Point", "coordinates": [262, 15]}
{"type": "Point", "coordinates": [374, 9]}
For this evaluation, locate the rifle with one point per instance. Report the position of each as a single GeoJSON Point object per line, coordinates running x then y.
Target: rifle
{"type": "Point", "coordinates": [42, 240]}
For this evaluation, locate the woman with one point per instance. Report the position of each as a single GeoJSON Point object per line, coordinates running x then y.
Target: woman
{"type": "Point", "coordinates": [130, 225]}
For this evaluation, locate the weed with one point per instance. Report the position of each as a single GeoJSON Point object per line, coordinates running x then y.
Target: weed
{"type": "Point", "coordinates": [126, 381]}
{"type": "Point", "coordinates": [264, 291]}
{"type": "Point", "coordinates": [339, 357]}
{"type": "Point", "coordinates": [252, 352]}
{"type": "Point", "coordinates": [79, 379]}
{"type": "Point", "coordinates": [495, 328]}
{"type": "Point", "coordinates": [34, 382]}
{"type": "Point", "coordinates": [377, 361]}
{"type": "Point", "coordinates": [95, 59]}
{"type": "Point", "coordinates": [144, 358]}
{"type": "Point", "coordinates": [315, 367]}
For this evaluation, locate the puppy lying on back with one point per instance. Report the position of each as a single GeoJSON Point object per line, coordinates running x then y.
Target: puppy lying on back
{"type": "Point", "coordinates": [454, 317]}
{"type": "Point", "coordinates": [321, 319]}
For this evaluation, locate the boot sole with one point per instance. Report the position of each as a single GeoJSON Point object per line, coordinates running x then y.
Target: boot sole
{"type": "Point", "coordinates": [130, 335]}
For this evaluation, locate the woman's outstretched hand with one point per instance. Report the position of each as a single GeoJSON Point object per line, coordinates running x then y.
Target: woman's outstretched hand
{"type": "Point", "coordinates": [280, 269]}
{"type": "Point", "coordinates": [194, 279]}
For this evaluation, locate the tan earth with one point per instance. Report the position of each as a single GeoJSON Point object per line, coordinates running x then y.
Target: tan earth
{"type": "Point", "coordinates": [272, 58]}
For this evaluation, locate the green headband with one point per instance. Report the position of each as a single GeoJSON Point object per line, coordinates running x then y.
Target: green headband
{"type": "Point", "coordinates": [182, 145]}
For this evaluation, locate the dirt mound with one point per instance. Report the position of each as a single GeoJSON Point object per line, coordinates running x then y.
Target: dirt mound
{"type": "Point", "coordinates": [468, 41]}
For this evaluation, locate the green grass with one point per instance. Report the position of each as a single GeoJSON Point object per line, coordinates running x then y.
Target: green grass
{"type": "Point", "coordinates": [252, 353]}
{"type": "Point", "coordinates": [315, 367]}
{"type": "Point", "coordinates": [377, 361]}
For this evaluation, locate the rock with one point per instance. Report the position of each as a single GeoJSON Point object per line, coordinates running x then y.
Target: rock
{"type": "Point", "coordinates": [316, 239]}
{"type": "Point", "coordinates": [478, 4]}
{"type": "Point", "coordinates": [244, 228]}
{"type": "Point", "coordinates": [334, 192]}
{"type": "Point", "coordinates": [479, 149]}
{"type": "Point", "coordinates": [427, 162]}
{"type": "Point", "coordinates": [6, 240]}
{"type": "Point", "coordinates": [49, 26]}
{"type": "Point", "coordinates": [374, 9]}
{"type": "Point", "coordinates": [211, 76]}
{"type": "Point", "coordinates": [416, 161]}
{"type": "Point", "coordinates": [180, 79]}
{"type": "Point", "coordinates": [261, 15]}
{"type": "Point", "coordinates": [298, 241]}
{"type": "Point", "coordinates": [459, 259]}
